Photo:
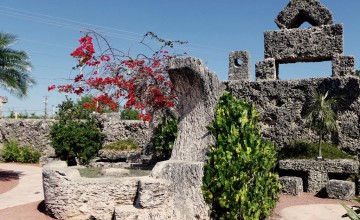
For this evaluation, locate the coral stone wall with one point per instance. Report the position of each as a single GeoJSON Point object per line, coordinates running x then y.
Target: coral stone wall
{"type": "Point", "coordinates": [35, 132]}
{"type": "Point", "coordinates": [283, 106]}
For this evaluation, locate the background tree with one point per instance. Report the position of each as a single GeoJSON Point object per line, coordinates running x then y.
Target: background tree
{"type": "Point", "coordinates": [321, 117]}
{"type": "Point", "coordinates": [14, 67]}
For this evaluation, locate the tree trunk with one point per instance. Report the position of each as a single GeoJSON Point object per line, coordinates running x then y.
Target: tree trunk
{"type": "Point", "coordinates": [319, 150]}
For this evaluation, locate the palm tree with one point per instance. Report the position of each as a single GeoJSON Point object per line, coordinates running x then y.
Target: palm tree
{"type": "Point", "coordinates": [14, 67]}
{"type": "Point", "coordinates": [321, 116]}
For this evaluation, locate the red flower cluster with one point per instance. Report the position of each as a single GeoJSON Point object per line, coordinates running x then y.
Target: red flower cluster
{"type": "Point", "coordinates": [142, 82]}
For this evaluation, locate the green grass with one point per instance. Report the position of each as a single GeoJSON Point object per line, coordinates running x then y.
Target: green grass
{"type": "Point", "coordinates": [304, 150]}
{"type": "Point", "coordinates": [122, 145]}
{"type": "Point", "coordinates": [90, 172]}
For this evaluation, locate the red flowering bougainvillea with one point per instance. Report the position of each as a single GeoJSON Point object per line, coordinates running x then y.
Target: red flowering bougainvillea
{"type": "Point", "coordinates": [113, 76]}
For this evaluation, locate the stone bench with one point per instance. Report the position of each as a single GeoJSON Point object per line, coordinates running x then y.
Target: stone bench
{"type": "Point", "coordinates": [339, 189]}
{"type": "Point", "coordinates": [317, 171]}
{"type": "Point", "coordinates": [291, 185]}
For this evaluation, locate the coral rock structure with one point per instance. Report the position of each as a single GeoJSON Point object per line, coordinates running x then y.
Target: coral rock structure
{"type": "Point", "coordinates": [322, 42]}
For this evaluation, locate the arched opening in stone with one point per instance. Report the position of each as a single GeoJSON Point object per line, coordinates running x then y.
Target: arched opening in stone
{"type": "Point", "coordinates": [301, 18]}
{"type": "Point", "coordinates": [304, 70]}
{"type": "Point", "coordinates": [238, 62]}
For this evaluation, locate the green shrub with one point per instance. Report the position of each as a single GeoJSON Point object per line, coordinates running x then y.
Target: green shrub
{"type": "Point", "coordinates": [12, 152]}
{"type": "Point", "coordinates": [122, 145]}
{"type": "Point", "coordinates": [239, 180]}
{"type": "Point", "coordinates": [164, 136]}
{"type": "Point", "coordinates": [130, 114]}
{"type": "Point", "coordinates": [76, 134]}
{"type": "Point", "coordinates": [306, 150]}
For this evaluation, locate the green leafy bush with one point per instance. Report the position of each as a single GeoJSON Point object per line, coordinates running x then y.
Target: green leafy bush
{"type": "Point", "coordinates": [122, 145]}
{"type": "Point", "coordinates": [239, 180]}
{"type": "Point", "coordinates": [12, 152]}
{"type": "Point", "coordinates": [130, 114]}
{"type": "Point", "coordinates": [76, 134]}
{"type": "Point", "coordinates": [305, 150]}
{"type": "Point", "coordinates": [164, 136]}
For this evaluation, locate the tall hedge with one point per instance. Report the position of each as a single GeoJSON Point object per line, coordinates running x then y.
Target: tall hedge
{"type": "Point", "coordinates": [239, 180]}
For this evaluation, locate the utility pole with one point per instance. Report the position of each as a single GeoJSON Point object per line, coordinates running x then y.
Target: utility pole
{"type": "Point", "coordinates": [45, 102]}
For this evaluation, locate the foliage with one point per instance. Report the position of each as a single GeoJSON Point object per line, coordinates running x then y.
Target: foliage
{"type": "Point", "coordinates": [12, 152]}
{"type": "Point", "coordinates": [164, 136]}
{"type": "Point", "coordinates": [76, 134]}
{"type": "Point", "coordinates": [130, 114]}
{"type": "Point", "coordinates": [115, 76]}
{"type": "Point", "coordinates": [122, 145]}
{"type": "Point", "coordinates": [239, 180]}
{"type": "Point", "coordinates": [14, 67]}
{"type": "Point", "coordinates": [307, 150]}
{"type": "Point", "coordinates": [321, 116]}
{"type": "Point", "coordinates": [352, 214]}
{"type": "Point", "coordinates": [24, 115]}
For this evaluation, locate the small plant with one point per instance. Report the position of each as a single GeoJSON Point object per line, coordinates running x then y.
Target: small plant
{"type": "Point", "coordinates": [164, 136]}
{"type": "Point", "coordinates": [239, 180]}
{"type": "Point", "coordinates": [12, 152]}
{"type": "Point", "coordinates": [122, 145]}
{"type": "Point", "coordinates": [321, 116]}
{"type": "Point", "coordinates": [305, 150]}
{"type": "Point", "coordinates": [352, 214]}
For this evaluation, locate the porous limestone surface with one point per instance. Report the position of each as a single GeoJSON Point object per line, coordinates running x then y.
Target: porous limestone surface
{"type": "Point", "coordinates": [343, 65]}
{"type": "Point", "coordinates": [239, 65]}
{"type": "Point", "coordinates": [69, 196]}
{"type": "Point", "coordinates": [299, 11]}
{"type": "Point", "coordinates": [266, 70]}
{"type": "Point", "coordinates": [35, 132]}
{"type": "Point", "coordinates": [116, 155]}
{"type": "Point", "coordinates": [283, 106]}
{"type": "Point", "coordinates": [114, 172]}
{"type": "Point", "coordinates": [339, 189]}
{"type": "Point", "coordinates": [198, 91]}
{"type": "Point", "coordinates": [291, 185]}
{"type": "Point", "coordinates": [304, 45]}
{"type": "Point", "coordinates": [318, 170]}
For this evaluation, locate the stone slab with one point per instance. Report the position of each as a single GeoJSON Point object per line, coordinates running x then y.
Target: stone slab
{"type": "Point", "coordinates": [343, 66]}
{"type": "Point", "coordinates": [304, 45]}
{"type": "Point", "coordinates": [291, 185]}
{"type": "Point", "coordinates": [266, 70]}
{"type": "Point", "coordinates": [339, 189]}
{"type": "Point", "coordinates": [240, 66]}
{"type": "Point", "coordinates": [297, 12]}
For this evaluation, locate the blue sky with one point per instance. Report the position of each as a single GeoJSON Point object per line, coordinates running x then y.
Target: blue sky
{"type": "Point", "coordinates": [49, 30]}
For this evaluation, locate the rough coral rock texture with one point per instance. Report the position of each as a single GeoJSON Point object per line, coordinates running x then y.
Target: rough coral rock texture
{"type": "Point", "coordinates": [198, 91]}
{"type": "Point", "coordinates": [266, 70]}
{"type": "Point", "coordinates": [283, 108]}
{"type": "Point", "coordinates": [318, 171]}
{"type": "Point", "coordinates": [339, 189]}
{"type": "Point", "coordinates": [35, 132]}
{"type": "Point", "coordinates": [69, 196]}
{"type": "Point", "coordinates": [291, 185]}
{"type": "Point", "coordinates": [133, 213]}
{"type": "Point", "coordinates": [240, 66]}
{"type": "Point", "coordinates": [304, 45]}
{"type": "Point", "coordinates": [30, 132]}
{"type": "Point", "coordinates": [116, 129]}
{"type": "Point", "coordinates": [343, 66]}
{"type": "Point", "coordinates": [152, 193]}
{"type": "Point", "coordinates": [116, 155]}
{"type": "Point", "coordinates": [299, 11]}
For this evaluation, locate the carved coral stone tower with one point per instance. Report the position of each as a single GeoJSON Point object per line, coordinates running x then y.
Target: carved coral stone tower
{"type": "Point", "coordinates": [322, 42]}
